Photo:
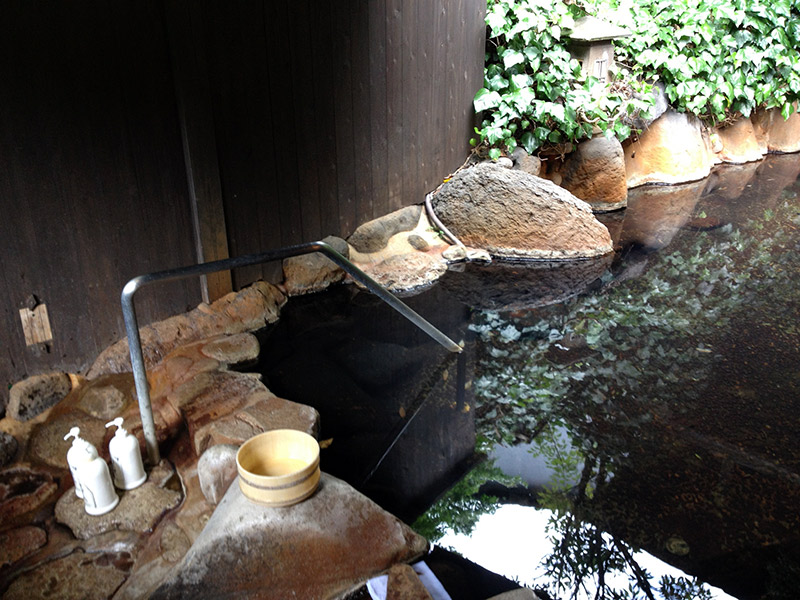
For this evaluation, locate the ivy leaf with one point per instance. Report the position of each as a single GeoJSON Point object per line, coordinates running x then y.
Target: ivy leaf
{"type": "Point", "coordinates": [528, 142]}
{"type": "Point", "coordinates": [486, 99]}
{"type": "Point", "coordinates": [512, 57]}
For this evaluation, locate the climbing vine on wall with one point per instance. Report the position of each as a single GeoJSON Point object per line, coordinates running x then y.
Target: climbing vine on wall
{"type": "Point", "coordinates": [718, 59]}
{"type": "Point", "coordinates": [534, 93]}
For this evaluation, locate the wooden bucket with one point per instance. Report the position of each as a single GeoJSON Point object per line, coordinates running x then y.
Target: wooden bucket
{"type": "Point", "coordinates": [279, 467]}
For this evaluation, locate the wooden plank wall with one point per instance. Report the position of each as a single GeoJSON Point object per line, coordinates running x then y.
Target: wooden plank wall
{"type": "Point", "coordinates": [92, 182]}
{"type": "Point", "coordinates": [141, 136]}
{"type": "Point", "coordinates": [328, 115]}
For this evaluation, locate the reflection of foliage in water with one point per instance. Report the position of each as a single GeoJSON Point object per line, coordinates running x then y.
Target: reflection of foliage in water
{"type": "Point", "coordinates": [640, 344]}
{"type": "Point", "coordinates": [462, 505]}
{"type": "Point", "coordinates": [637, 339]}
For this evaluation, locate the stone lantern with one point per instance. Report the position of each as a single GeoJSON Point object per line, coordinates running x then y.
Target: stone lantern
{"type": "Point", "coordinates": [591, 45]}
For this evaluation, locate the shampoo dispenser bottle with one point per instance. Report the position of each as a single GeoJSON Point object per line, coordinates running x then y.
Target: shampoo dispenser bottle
{"type": "Point", "coordinates": [99, 496]}
{"type": "Point", "coordinates": [79, 453]}
{"type": "Point", "coordinates": [126, 458]}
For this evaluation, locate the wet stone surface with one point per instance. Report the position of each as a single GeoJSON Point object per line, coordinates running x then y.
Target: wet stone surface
{"type": "Point", "coordinates": [20, 542]}
{"type": "Point", "coordinates": [139, 510]}
{"type": "Point", "coordinates": [23, 492]}
{"type": "Point", "coordinates": [79, 575]}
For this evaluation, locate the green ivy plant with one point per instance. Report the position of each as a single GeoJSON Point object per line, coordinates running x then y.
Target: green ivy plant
{"type": "Point", "coordinates": [718, 59]}
{"type": "Point", "coordinates": [534, 94]}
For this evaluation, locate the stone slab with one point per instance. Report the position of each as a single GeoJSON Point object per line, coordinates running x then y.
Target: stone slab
{"type": "Point", "coordinates": [139, 510]}
{"type": "Point", "coordinates": [321, 548]}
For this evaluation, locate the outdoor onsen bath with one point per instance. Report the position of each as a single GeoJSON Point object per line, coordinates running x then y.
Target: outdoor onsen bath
{"type": "Point", "coordinates": [620, 403]}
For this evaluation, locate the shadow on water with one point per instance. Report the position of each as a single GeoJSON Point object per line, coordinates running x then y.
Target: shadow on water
{"type": "Point", "coordinates": [656, 397]}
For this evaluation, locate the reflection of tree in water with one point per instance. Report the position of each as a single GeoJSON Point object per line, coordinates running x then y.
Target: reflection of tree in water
{"type": "Point", "coordinates": [584, 557]}
{"type": "Point", "coordinates": [615, 367]}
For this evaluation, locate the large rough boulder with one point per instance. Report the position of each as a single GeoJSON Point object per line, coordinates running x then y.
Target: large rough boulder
{"type": "Point", "coordinates": [595, 173]}
{"type": "Point", "coordinates": [247, 310]}
{"type": "Point", "coordinates": [674, 149]}
{"type": "Point", "coordinates": [515, 215]}
{"type": "Point", "coordinates": [321, 548]}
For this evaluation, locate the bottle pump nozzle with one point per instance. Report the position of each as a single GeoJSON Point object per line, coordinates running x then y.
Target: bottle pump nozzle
{"type": "Point", "coordinates": [118, 423]}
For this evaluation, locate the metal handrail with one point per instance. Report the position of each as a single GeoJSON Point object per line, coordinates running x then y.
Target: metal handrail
{"type": "Point", "coordinates": [132, 326]}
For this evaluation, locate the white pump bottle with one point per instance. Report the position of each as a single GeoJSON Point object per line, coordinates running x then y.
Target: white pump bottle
{"type": "Point", "coordinates": [126, 458]}
{"type": "Point", "coordinates": [79, 453]}
{"type": "Point", "coordinates": [92, 475]}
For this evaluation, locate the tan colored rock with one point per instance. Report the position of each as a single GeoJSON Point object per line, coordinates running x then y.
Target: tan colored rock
{"type": "Point", "coordinates": [247, 310]}
{"type": "Point", "coordinates": [373, 236]}
{"type": "Point", "coordinates": [212, 395]}
{"type": "Point", "coordinates": [520, 594]}
{"type": "Point", "coordinates": [264, 411]}
{"type": "Point", "coordinates": [525, 162]}
{"type": "Point", "coordinates": [139, 510]}
{"type": "Point", "coordinates": [20, 542]}
{"type": "Point", "coordinates": [404, 584]}
{"type": "Point", "coordinates": [174, 543]}
{"type": "Point", "coordinates": [778, 134]}
{"type": "Point", "coordinates": [309, 273]}
{"type": "Point", "coordinates": [739, 143]}
{"type": "Point", "coordinates": [237, 350]}
{"type": "Point", "coordinates": [409, 260]}
{"type": "Point", "coordinates": [595, 173]}
{"type": "Point", "coordinates": [513, 214]}
{"type": "Point", "coordinates": [34, 395]}
{"type": "Point", "coordinates": [81, 575]}
{"type": "Point", "coordinates": [674, 149]}
{"type": "Point", "coordinates": [320, 548]}
{"type": "Point", "coordinates": [47, 442]}
{"type": "Point", "coordinates": [406, 272]}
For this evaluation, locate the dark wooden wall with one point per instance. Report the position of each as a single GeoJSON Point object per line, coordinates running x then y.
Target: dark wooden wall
{"type": "Point", "coordinates": [329, 114]}
{"type": "Point", "coordinates": [140, 136]}
{"type": "Point", "coordinates": [92, 184]}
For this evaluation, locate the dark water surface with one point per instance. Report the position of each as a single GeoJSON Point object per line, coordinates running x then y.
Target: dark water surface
{"type": "Point", "coordinates": [649, 401]}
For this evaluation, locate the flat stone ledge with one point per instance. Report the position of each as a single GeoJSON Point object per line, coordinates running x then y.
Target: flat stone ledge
{"type": "Point", "coordinates": [321, 548]}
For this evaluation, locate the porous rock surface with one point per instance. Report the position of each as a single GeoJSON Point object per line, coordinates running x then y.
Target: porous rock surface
{"type": "Point", "coordinates": [405, 584]}
{"type": "Point", "coordinates": [139, 510]}
{"type": "Point", "coordinates": [34, 395]}
{"type": "Point", "coordinates": [373, 235]}
{"type": "Point", "coordinates": [314, 272]}
{"type": "Point", "coordinates": [89, 576]}
{"type": "Point", "coordinates": [247, 310]}
{"type": "Point", "coordinates": [320, 548]}
{"type": "Point", "coordinates": [512, 214]}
